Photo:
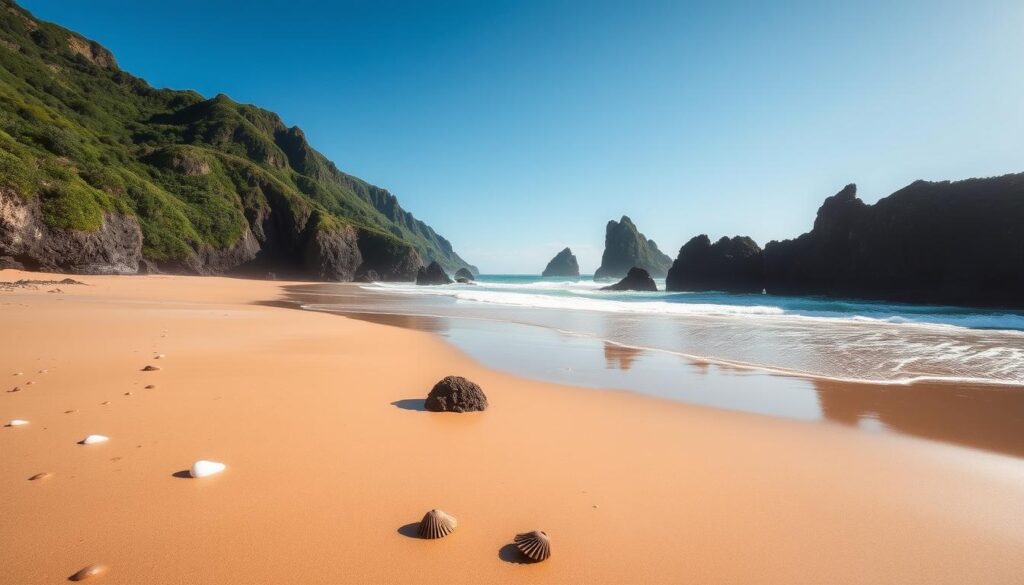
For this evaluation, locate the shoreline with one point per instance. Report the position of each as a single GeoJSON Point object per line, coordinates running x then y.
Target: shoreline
{"type": "Point", "coordinates": [330, 457]}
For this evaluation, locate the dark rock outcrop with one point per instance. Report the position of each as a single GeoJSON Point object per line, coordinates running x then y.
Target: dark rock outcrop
{"type": "Point", "coordinates": [625, 247]}
{"type": "Point", "coordinates": [464, 274]}
{"type": "Point", "coordinates": [25, 239]}
{"type": "Point", "coordinates": [637, 279]}
{"type": "Point", "coordinates": [930, 242]}
{"type": "Point", "coordinates": [432, 275]}
{"type": "Point", "coordinates": [729, 265]}
{"type": "Point", "coordinates": [456, 394]}
{"type": "Point", "coordinates": [563, 264]}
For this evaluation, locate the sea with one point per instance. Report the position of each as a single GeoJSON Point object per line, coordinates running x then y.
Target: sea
{"type": "Point", "coordinates": [878, 366]}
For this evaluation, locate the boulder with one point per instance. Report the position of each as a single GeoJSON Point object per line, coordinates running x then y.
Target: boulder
{"type": "Point", "coordinates": [625, 247]}
{"type": "Point", "coordinates": [456, 394]}
{"type": "Point", "coordinates": [563, 264]}
{"type": "Point", "coordinates": [637, 279]}
{"type": "Point", "coordinates": [729, 265]}
{"type": "Point", "coordinates": [432, 275]}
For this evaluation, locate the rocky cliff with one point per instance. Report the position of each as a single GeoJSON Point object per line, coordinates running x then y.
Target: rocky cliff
{"type": "Point", "coordinates": [931, 242]}
{"type": "Point", "coordinates": [625, 247]}
{"type": "Point", "coordinates": [563, 264]}
{"type": "Point", "coordinates": [99, 172]}
{"type": "Point", "coordinates": [729, 265]}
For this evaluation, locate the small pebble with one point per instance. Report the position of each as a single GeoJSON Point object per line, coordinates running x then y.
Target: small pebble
{"type": "Point", "coordinates": [150, 386]}
{"type": "Point", "coordinates": [93, 439]}
{"type": "Point", "coordinates": [159, 356]}
{"type": "Point", "coordinates": [39, 476]}
{"type": "Point", "coordinates": [127, 393]}
{"type": "Point", "coordinates": [29, 383]}
{"type": "Point", "coordinates": [150, 368]}
{"type": "Point", "coordinates": [43, 371]}
{"type": "Point", "coordinates": [104, 403]}
{"type": "Point", "coordinates": [16, 423]}
{"type": "Point", "coordinates": [88, 573]}
{"type": "Point", "coordinates": [19, 373]}
{"type": "Point", "coordinates": [70, 411]}
{"type": "Point", "coordinates": [203, 468]}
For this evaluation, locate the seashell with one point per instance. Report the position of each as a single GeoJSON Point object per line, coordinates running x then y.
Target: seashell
{"type": "Point", "coordinates": [150, 368]}
{"type": "Point", "coordinates": [535, 545]}
{"type": "Point", "coordinates": [93, 439]}
{"type": "Point", "coordinates": [204, 468]}
{"type": "Point", "coordinates": [16, 423]}
{"type": "Point", "coordinates": [88, 573]}
{"type": "Point", "coordinates": [39, 476]}
{"type": "Point", "coordinates": [436, 524]}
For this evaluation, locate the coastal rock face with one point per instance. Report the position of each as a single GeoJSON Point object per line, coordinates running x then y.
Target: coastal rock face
{"type": "Point", "coordinates": [637, 279]}
{"type": "Point", "coordinates": [102, 173]}
{"type": "Point", "coordinates": [930, 242]}
{"type": "Point", "coordinates": [456, 394]}
{"type": "Point", "coordinates": [112, 247]}
{"type": "Point", "coordinates": [432, 275]}
{"type": "Point", "coordinates": [563, 264]}
{"type": "Point", "coordinates": [464, 274]}
{"type": "Point", "coordinates": [625, 247]}
{"type": "Point", "coordinates": [729, 265]}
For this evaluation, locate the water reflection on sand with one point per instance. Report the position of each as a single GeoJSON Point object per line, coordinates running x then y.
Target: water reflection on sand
{"type": "Point", "coordinates": [978, 416]}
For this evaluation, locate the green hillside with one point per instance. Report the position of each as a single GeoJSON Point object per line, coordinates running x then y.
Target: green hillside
{"type": "Point", "coordinates": [85, 139]}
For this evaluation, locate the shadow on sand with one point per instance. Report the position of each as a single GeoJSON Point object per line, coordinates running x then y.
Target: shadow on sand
{"type": "Point", "coordinates": [417, 404]}
{"type": "Point", "coordinates": [183, 474]}
{"type": "Point", "coordinates": [410, 530]}
{"type": "Point", "coordinates": [510, 554]}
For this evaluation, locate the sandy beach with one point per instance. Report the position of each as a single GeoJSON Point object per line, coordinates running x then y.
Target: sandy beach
{"type": "Point", "coordinates": [330, 458]}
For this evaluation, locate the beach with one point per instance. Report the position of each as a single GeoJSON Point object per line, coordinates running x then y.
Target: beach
{"type": "Point", "coordinates": [330, 458]}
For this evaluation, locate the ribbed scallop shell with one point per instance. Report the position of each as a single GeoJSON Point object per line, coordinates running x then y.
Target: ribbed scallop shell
{"type": "Point", "coordinates": [437, 524]}
{"type": "Point", "coordinates": [535, 545]}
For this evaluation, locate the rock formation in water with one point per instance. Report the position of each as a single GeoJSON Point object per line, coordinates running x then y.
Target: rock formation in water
{"type": "Point", "coordinates": [563, 264]}
{"type": "Point", "coordinates": [944, 242]}
{"type": "Point", "coordinates": [729, 265]}
{"type": "Point", "coordinates": [101, 173]}
{"type": "Point", "coordinates": [625, 247]}
{"type": "Point", "coordinates": [637, 279]}
{"type": "Point", "coordinates": [464, 274]}
{"type": "Point", "coordinates": [432, 275]}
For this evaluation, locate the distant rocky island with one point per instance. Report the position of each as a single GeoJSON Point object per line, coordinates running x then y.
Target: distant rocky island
{"type": "Point", "coordinates": [948, 242]}
{"type": "Point", "coordinates": [625, 248]}
{"type": "Point", "coordinates": [101, 173]}
{"type": "Point", "coordinates": [563, 264]}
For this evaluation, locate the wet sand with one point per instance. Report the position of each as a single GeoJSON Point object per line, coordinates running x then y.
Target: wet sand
{"type": "Point", "coordinates": [330, 459]}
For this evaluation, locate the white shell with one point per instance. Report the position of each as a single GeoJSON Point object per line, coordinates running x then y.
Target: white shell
{"type": "Point", "coordinates": [16, 423]}
{"type": "Point", "coordinates": [203, 468]}
{"type": "Point", "coordinates": [93, 439]}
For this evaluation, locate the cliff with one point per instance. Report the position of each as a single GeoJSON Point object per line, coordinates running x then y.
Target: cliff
{"type": "Point", "coordinates": [931, 242]}
{"type": "Point", "coordinates": [99, 172]}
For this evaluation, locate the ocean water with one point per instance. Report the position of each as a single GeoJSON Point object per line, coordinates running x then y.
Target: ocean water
{"type": "Point", "coordinates": [826, 338]}
{"type": "Point", "coordinates": [949, 374]}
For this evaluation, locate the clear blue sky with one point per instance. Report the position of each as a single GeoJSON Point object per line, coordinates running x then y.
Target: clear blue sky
{"type": "Point", "coordinates": [517, 128]}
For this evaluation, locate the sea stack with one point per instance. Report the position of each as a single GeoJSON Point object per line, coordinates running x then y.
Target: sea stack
{"type": "Point", "coordinates": [638, 279]}
{"type": "Point", "coordinates": [432, 275]}
{"type": "Point", "coordinates": [464, 274]}
{"type": "Point", "coordinates": [563, 264]}
{"type": "Point", "coordinates": [625, 247]}
{"type": "Point", "coordinates": [729, 265]}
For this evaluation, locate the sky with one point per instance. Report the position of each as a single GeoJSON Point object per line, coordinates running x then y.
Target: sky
{"type": "Point", "coordinates": [518, 128]}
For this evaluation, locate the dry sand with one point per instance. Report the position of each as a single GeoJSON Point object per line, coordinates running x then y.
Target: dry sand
{"type": "Point", "coordinates": [329, 461]}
